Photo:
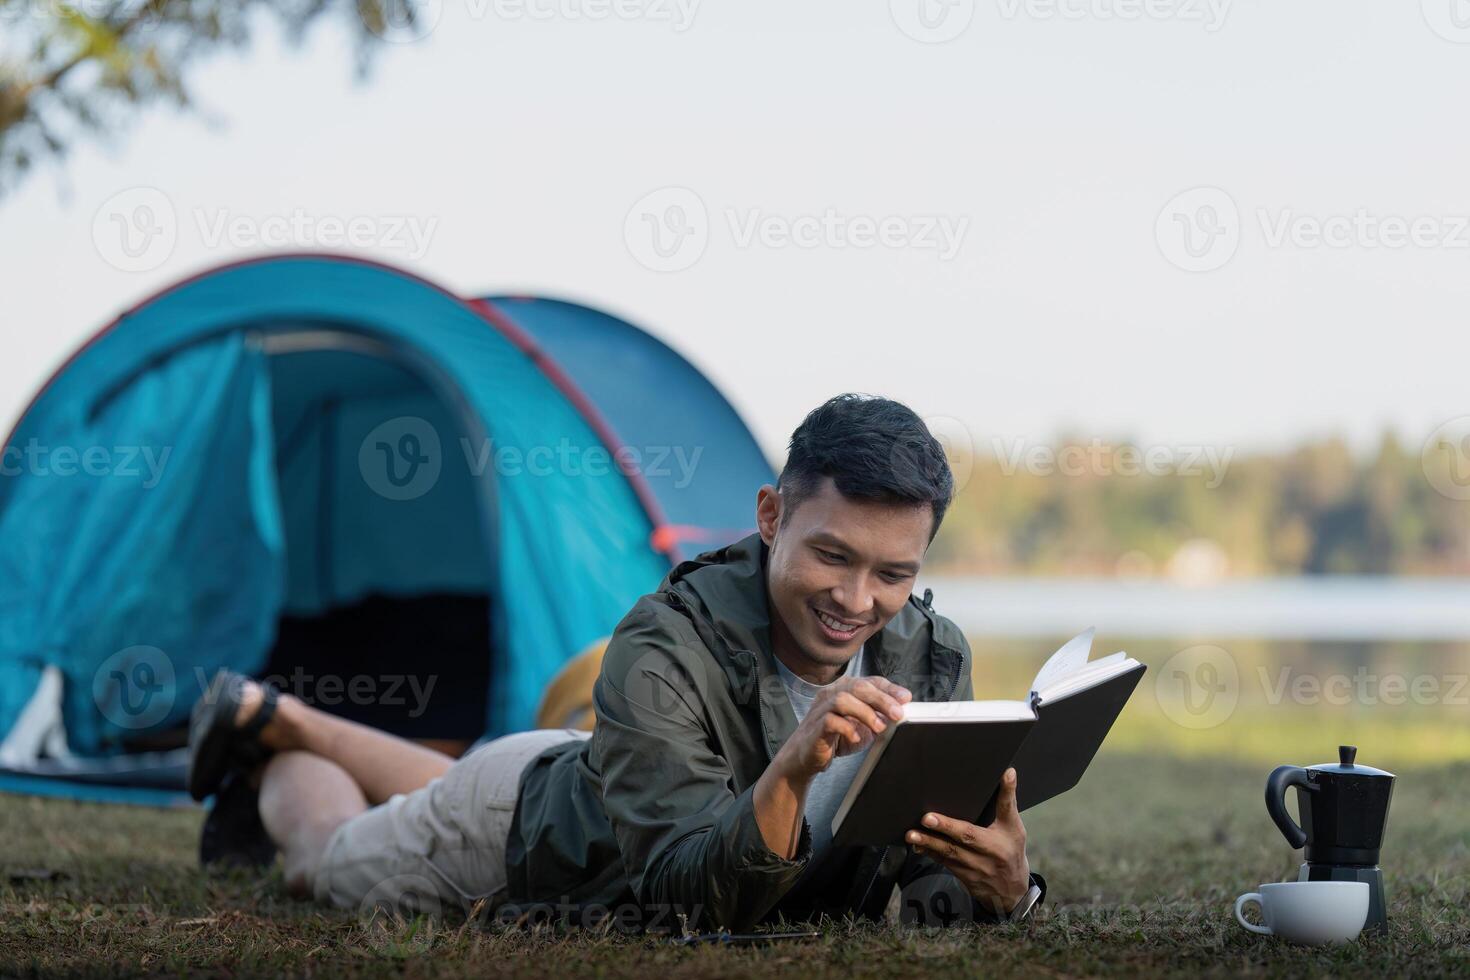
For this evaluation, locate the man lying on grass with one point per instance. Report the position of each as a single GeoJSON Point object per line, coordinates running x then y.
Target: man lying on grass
{"type": "Point", "coordinates": [733, 709]}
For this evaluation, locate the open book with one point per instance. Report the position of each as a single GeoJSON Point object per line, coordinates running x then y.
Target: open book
{"type": "Point", "coordinates": [948, 756]}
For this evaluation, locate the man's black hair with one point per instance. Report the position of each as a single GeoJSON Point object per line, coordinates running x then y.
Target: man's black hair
{"type": "Point", "coordinates": [873, 449]}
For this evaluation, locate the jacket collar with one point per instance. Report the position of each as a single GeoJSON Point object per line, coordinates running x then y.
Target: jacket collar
{"type": "Point", "coordinates": [728, 588]}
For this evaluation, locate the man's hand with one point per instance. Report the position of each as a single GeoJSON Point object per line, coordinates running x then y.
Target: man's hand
{"type": "Point", "coordinates": [845, 718]}
{"type": "Point", "coordinates": [989, 861]}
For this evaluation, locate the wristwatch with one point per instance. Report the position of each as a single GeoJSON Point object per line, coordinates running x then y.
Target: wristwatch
{"type": "Point", "coordinates": [1029, 901]}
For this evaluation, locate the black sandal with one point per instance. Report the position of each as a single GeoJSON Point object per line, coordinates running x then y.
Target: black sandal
{"type": "Point", "coordinates": [234, 836]}
{"type": "Point", "coordinates": [216, 746]}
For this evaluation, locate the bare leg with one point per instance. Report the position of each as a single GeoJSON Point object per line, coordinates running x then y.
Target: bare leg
{"type": "Point", "coordinates": [303, 799]}
{"type": "Point", "coordinates": [380, 764]}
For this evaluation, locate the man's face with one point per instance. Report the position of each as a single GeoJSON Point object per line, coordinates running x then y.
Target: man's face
{"type": "Point", "coordinates": [838, 571]}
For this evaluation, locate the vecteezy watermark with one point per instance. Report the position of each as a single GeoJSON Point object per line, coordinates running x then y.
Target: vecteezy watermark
{"type": "Point", "coordinates": [932, 21]}
{"type": "Point", "coordinates": [401, 897]}
{"type": "Point", "coordinates": [145, 463]}
{"type": "Point", "coordinates": [567, 458]}
{"type": "Point", "coordinates": [1362, 229]}
{"type": "Point", "coordinates": [1200, 230]}
{"type": "Point", "coordinates": [401, 21]}
{"type": "Point", "coordinates": [937, 21]}
{"type": "Point", "coordinates": [1089, 921]}
{"type": "Point", "coordinates": [678, 14]}
{"type": "Point", "coordinates": [669, 229]}
{"type": "Point", "coordinates": [56, 10]}
{"type": "Point", "coordinates": [137, 230]}
{"type": "Point", "coordinates": [403, 459]}
{"type": "Point", "coordinates": [1364, 687]}
{"type": "Point", "coordinates": [958, 443]}
{"type": "Point", "coordinates": [1445, 458]}
{"type": "Point", "coordinates": [1198, 687]}
{"type": "Point", "coordinates": [409, 691]}
{"type": "Point", "coordinates": [135, 688]}
{"type": "Point", "coordinates": [299, 228]}
{"type": "Point", "coordinates": [406, 21]}
{"type": "Point", "coordinates": [1208, 13]}
{"type": "Point", "coordinates": [1098, 458]}
{"type": "Point", "coordinates": [934, 900]}
{"type": "Point", "coordinates": [1450, 19]}
{"type": "Point", "coordinates": [831, 229]}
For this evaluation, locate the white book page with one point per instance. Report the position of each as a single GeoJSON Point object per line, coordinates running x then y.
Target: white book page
{"type": "Point", "coordinates": [1070, 658]}
{"type": "Point", "coordinates": [1090, 675]}
{"type": "Point", "coordinates": [925, 711]}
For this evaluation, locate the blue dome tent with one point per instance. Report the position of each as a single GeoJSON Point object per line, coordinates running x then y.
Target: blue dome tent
{"type": "Point", "coordinates": [328, 471]}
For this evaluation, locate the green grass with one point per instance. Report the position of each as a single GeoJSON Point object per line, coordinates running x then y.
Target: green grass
{"type": "Point", "coordinates": [1144, 860]}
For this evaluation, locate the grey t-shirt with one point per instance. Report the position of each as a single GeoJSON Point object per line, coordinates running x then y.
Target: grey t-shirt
{"type": "Point", "coordinates": [828, 788]}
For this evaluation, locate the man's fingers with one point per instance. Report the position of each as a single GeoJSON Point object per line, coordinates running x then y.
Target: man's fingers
{"type": "Point", "coordinates": [1006, 810]}
{"type": "Point", "coordinates": [848, 704]}
{"type": "Point", "coordinates": [944, 850]}
{"type": "Point", "coordinates": [960, 869]}
{"type": "Point", "coordinates": [868, 691]}
{"type": "Point", "coordinates": [898, 692]}
{"type": "Point", "coordinates": [840, 726]}
{"type": "Point", "coordinates": [959, 831]}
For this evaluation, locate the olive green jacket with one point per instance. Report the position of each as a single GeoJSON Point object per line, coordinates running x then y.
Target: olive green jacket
{"type": "Point", "coordinates": [655, 811]}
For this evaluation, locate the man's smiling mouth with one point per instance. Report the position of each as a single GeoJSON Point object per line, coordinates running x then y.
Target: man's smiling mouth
{"type": "Point", "coordinates": [837, 629]}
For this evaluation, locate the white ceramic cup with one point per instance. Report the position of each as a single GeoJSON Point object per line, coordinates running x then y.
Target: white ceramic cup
{"type": "Point", "coordinates": [1309, 912]}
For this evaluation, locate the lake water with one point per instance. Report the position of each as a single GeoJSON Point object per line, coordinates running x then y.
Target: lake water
{"type": "Point", "coordinates": [1274, 670]}
{"type": "Point", "coordinates": [1329, 608]}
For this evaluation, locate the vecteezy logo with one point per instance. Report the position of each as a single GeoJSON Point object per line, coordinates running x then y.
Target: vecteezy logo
{"type": "Point", "coordinates": [1450, 19]}
{"type": "Point", "coordinates": [955, 439]}
{"type": "Point", "coordinates": [1446, 458]}
{"type": "Point", "coordinates": [136, 230]}
{"type": "Point", "coordinates": [932, 21]}
{"type": "Point", "coordinates": [401, 459]}
{"type": "Point", "coordinates": [401, 897]}
{"type": "Point", "coordinates": [668, 686]}
{"type": "Point", "coordinates": [401, 21]}
{"type": "Point", "coordinates": [667, 230]}
{"type": "Point", "coordinates": [934, 900]}
{"type": "Point", "coordinates": [134, 688]}
{"type": "Point", "coordinates": [1198, 687]}
{"type": "Point", "coordinates": [1199, 229]}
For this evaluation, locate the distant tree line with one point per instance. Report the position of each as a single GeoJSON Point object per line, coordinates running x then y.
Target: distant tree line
{"type": "Point", "coordinates": [1318, 509]}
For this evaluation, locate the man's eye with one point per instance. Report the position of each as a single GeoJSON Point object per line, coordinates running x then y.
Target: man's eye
{"type": "Point", "coordinates": [829, 556]}
{"type": "Point", "coordinates": [893, 578]}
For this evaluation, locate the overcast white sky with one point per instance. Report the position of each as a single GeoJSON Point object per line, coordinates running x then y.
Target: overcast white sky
{"type": "Point", "coordinates": [1049, 139]}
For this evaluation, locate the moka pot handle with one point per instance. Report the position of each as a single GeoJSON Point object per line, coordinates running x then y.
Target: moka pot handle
{"type": "Point", "coordinates": [1280, 778]}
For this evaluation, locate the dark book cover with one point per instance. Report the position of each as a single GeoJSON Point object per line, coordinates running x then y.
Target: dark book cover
{"type": "Point", "coordinates": [949, 767]}
{"type": "Point", "coordinates": [1065, 739]}
{"type": "Point", "coordinates": [955, 767]}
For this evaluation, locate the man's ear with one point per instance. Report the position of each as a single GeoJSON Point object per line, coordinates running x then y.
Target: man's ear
{"type": "Point", "coordinates": [768, 513]}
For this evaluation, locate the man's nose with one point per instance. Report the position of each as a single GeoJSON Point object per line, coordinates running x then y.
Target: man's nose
{"type": "Point", "coordinates": [853, 597]}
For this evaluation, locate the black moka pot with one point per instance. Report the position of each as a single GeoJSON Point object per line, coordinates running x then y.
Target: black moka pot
{"type": "Point", "coordinates": [1344, 811]}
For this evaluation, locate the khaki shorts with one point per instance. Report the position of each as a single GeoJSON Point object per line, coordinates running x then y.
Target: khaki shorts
{"type": "Point", "coordinates": [438, 847]}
